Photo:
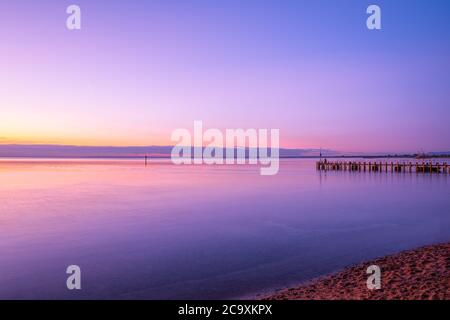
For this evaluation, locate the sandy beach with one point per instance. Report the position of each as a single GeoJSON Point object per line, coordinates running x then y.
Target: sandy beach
{"type": "Point", "coordinates": [420, 274]}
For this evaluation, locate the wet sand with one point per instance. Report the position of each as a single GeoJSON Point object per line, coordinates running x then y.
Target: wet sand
{"type": "Point", "coordinates": [420, 274]}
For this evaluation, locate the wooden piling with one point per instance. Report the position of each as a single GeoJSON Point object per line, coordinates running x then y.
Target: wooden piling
{"type": "Point", "coordinates": [423, 167]}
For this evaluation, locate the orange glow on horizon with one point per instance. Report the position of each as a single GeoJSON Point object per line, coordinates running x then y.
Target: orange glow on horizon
{"type": "Point", "coordinates": [84, 141]}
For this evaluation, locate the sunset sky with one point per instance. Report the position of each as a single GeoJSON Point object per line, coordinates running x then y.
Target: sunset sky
{"type": "Point", "coordinates": [137, 70]}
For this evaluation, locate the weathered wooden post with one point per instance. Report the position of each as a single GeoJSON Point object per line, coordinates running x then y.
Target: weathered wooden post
{"type": "Point", "coordinates": [445, 167]}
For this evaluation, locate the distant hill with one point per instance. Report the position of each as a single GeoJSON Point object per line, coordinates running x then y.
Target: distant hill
{"type": "Point", "coordinates": [66, 151]}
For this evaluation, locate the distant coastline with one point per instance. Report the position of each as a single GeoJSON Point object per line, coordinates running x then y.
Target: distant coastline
{"type": "Point", "coordinates": [150, 156]}
{"type": "Point", "coordinates": [47, 151]}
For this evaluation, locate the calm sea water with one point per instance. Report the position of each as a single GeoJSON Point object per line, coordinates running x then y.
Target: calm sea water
{"type": "Point", "coordinates": [199, 232]}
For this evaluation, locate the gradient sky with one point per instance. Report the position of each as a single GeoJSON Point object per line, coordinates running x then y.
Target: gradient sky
{"type": "Point", "coordinates": [140, 69]}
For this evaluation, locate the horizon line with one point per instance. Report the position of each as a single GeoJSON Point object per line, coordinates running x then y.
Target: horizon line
{"type": "Point", "coordinates": [46, 150]}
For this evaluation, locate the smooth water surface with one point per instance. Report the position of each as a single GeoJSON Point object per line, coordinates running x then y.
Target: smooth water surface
{"type": "Point", "coordinates": [199, 232]}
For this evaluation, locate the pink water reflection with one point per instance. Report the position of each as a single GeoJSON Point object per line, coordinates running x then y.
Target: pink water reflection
{"type": "Point", "coordinates": [166, 231]}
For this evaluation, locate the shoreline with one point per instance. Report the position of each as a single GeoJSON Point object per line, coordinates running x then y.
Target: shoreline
{"type": "Point", "coordinates": [418, 274]}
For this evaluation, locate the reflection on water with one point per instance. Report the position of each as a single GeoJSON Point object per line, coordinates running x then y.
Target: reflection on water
{"type": "Point", "coordinates": [189, 232]}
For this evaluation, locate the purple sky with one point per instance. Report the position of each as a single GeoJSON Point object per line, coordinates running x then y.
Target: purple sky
{"type": "Point", "coordinates": [137, 70]}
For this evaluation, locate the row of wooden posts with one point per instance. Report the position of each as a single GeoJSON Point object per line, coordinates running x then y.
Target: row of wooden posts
{"type": "Point", "coordinates": [423, 167]}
